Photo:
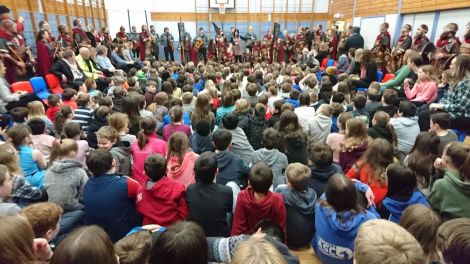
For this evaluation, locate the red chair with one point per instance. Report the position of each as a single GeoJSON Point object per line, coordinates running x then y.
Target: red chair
{"type": "Point", "coordinates": [21, 86]}
{"type": "Point", "coordinates": [324, 62]}
{"type": "Point", "coordinates": [54, 84]}
{"type": "Point", "coordinates": [388, 77]}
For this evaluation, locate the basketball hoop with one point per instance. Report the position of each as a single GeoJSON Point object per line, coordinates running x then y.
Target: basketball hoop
{"type": "Point", "coordinates": [222, 8]}
{"type": "Point", "coordinates": [221, 5]}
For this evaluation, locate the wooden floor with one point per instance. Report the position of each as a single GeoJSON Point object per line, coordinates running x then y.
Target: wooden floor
{"type": "Point", "coordinates": [306, 256]}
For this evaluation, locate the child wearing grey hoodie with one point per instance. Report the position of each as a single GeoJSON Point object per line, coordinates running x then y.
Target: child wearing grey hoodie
{"type": "Point", "coordinates": [65, 178]}
{"type": "Point", "coordinates": [300, 206]}
{"type": "Point", "coordinates": [318, 127]}
{"type": "Point", "coordinates": [407, 128]}
{"type": "Point", "coordinates": [275, 159]}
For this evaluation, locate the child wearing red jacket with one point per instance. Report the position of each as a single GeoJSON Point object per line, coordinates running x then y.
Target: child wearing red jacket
{"type": "Point", "coordinates": [257, 202]}
{"type": "Point", "coordinates": [161, 200]}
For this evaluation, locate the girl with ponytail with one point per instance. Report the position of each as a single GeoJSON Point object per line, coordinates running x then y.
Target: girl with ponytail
{"type": "Point", "coordinates": [381, 128]}
{"type": "Point", "coordinates": [176, 125]}
{"type": "Point", "coordinates": [65, 177]}
{"type": "Point", "coordinates": [61, 118]}
{"type": "Point", "coordinates": [147, 143]}
{"type": "Point", "coordinates": [450, 195]}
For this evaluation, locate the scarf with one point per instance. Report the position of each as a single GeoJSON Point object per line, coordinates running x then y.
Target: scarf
{"type": "Point", "coordinates": [65, 37]}
{"type": "Point", "coordinates": [417, 41]}
{"type": "Point", "coordinates": [79, 31]}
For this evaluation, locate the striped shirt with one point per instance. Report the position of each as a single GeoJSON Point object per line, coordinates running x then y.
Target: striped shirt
{"type": "Point", "coordinates": [82, 116]}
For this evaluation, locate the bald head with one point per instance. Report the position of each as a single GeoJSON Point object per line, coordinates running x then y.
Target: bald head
{"type": "Point", "coordinates": [8, 25]}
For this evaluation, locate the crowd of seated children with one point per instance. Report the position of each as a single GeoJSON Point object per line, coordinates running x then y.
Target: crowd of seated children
{"type": "Point", "coordinates": [276, 155]}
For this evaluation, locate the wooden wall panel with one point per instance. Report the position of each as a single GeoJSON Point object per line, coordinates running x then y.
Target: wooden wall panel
{"type": "Point", "coordinates": [237, 17]}
{"type": "Point", "coordinates": [58, 8]}
{"type": "Point", "coordinates": [54, 7]}
{"type": "Point", "coordinates": [416, 6]}
{"type": "Point", "coordinates": [382, 7]}
{"type": "Point", "coordinates": [342, 7]}
{"type": "Point", "coordinates": [376, 7]}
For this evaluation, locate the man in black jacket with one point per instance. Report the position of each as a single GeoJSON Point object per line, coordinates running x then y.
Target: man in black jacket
{"type": "Point", "coordinates": [355, 40]}
{"type": "Point", "coordinates": [68, 71]}
{"type": "Point", "coordinates": [209, 202]}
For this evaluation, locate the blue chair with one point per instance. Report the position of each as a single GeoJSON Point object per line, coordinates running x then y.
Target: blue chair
{"type": "Point", "coordinates": [39, 87]}
{"type": "Point", "coordinates": [330, 62]}
{"type": "Point", "coordinates": [461, 135]}
{"type": "Point", "coordinates": [380, 75]}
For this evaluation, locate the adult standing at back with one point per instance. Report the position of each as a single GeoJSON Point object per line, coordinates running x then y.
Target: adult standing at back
{"type": "Point", "coordinates": [355, 40]}
{"type": "Point", "coordinates": [167, 43]}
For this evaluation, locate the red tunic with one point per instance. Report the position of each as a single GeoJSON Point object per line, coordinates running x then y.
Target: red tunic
{"type": "Point", "coordinates": [381, 36]}
{"type": "Point", "coordinates": [44, 58]}
{"type": "Point", "coordinates": [143, 37]}
{"type": "Point", "coordinates": [10, 63]}
{"type": "Point", "coordinates": [122, 36]}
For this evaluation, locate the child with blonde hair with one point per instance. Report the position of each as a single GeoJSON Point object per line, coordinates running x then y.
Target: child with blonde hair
{"type": "Point", "coordinates": [257, 250]}
{"type": "Point", "coordinates": [120, 122]}
{"type": "Point", "coordinates": [22, 192]}
{"type": "Point", "coordinates": [425, 89]}
{"type": "Point", "coordinates": [391, 243]}
{"type": "Point", "coordinates": [108, 139]}
{"type": "Point", "coordinates": [31, 161]}
{"type": "Point", "coordinates": [36, 110]}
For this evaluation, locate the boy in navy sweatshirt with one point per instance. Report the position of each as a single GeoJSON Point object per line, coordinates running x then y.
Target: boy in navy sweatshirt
{"type": "Point", "coordinates": [110, 199]}
{"type": "Point", "coordinates": [300, 206]}
{"type": "Point", "coordinates": [231, 167]}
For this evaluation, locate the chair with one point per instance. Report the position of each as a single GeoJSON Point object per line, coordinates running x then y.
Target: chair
{"type": "Point", "coordinates": [330, 62]}
{"type": "Point", "coordinates": [362, 89]}
{"type": "Point", "coordinates": [21, 86]}
{"type": "Point", "coordinates": [39, 87]}
{"type": "Point", "coordinates": [324, 62]}
{"type": "Point", "coordinates": [54, 84]}
{"type": "Point", "coordinates": [461, 134]}
{"type": "Point", "coordinates": [380, 75]}
{"type": "Point", "coordinates": [388, 77]}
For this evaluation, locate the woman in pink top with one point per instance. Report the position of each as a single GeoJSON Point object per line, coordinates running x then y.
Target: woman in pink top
{"type": "Point", "coordinates": [176, 125]}
{"type": "Point", "coordinates": [147, 143]}
{"type": "Point", "coordinates": [425, 89]}
{"type": "Point", "coordinates": [180, 159]}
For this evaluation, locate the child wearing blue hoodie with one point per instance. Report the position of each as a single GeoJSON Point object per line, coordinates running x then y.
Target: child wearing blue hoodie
{"type": "Point", "coordinates": [402, 192]}
{"type": "Point", "coordinates": [300, 206]}
{"type": "Point", "coordinates": [338, 216]}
